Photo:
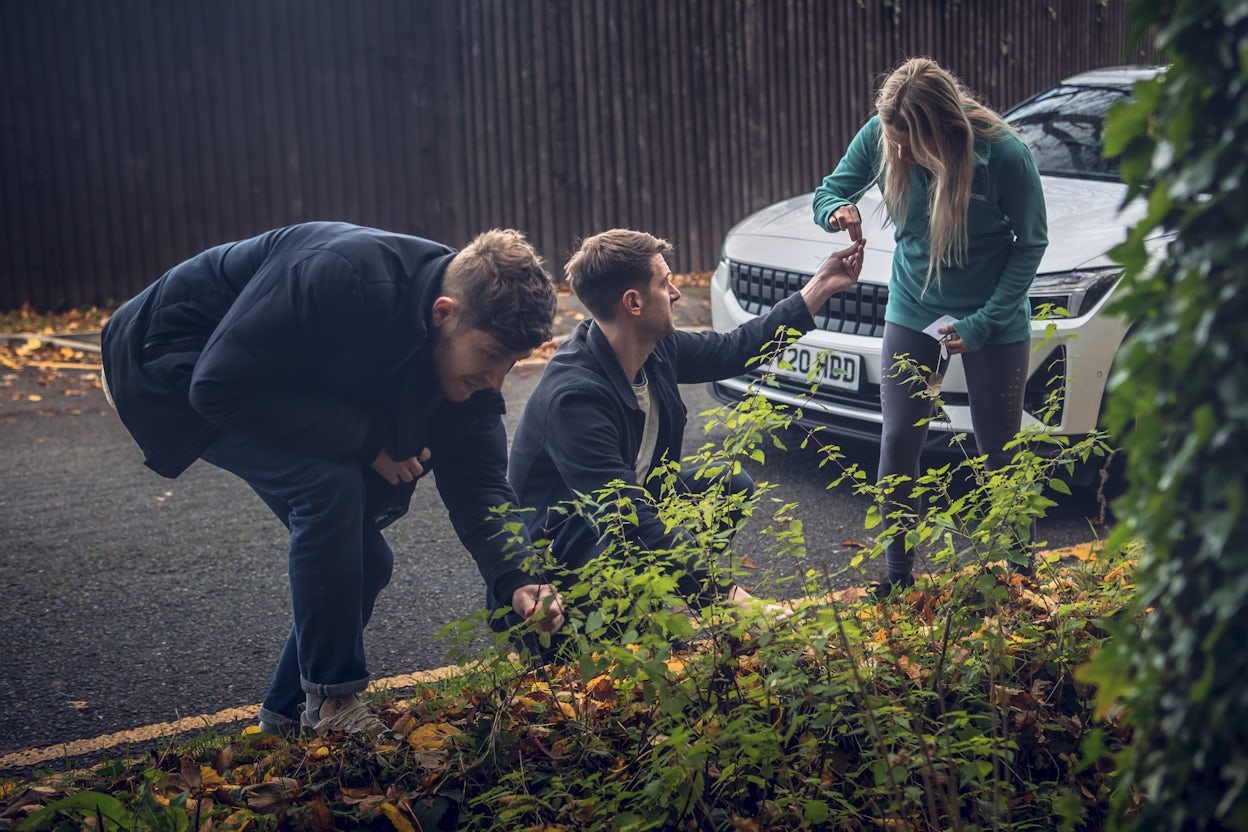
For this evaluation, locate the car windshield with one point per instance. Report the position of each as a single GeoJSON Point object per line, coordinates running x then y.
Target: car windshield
{"type": "Point", "coordinates": [1063, 129]}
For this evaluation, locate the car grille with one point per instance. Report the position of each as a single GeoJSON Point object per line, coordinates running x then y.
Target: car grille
{"type": "Point", "coordinates": [859, 310]}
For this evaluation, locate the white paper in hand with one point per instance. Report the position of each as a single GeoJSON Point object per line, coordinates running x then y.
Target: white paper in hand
{"type": "Point", "coordinates": [933, 329]}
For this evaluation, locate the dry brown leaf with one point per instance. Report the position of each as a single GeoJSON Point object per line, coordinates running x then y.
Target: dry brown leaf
{"type": "Point", "coordinates": [392, 813]}
{"type": "Point", "coordinates": [189, 771]}
{"type": "Point", "coordinates": [676, 665]}
{"type": "Point", "coordinates": [209, 778]}
{"type": "Point", "coordinates": [271, 796]}
{"type": "Point", "coordinates": [600, 686]}
{"type": "Point", "coordinates": [1043, 603]}
{"type": "Point", "coordinates": [224, 759]}
{"type": "Point", "coordinates": [353, 796]}
{"type": "Point", "coordinates": [318, 817]}
{"type": "Point", "coordinates": [432, 736]}
{"type": "Point", "coordinates": [1082, 552]}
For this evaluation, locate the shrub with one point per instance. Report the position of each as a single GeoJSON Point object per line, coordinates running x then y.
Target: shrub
{"type": "Point", "coordinates": [1179, 402]}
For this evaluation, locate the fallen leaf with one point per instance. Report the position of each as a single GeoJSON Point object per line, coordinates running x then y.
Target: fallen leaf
{"type": "Point", "coordinates": [273, 795]}
{"type": "Point", "coordinates": [433, 735]}
{"type": "Point", "coordinates": [393, 814]}
{"type": "Point", "coordinates": [352, 795]}
{"type": "Point", "coordinates": [319, 817]}
{"type": "Point", "coordinates": [209, 777]}
{"type": "Point", "coordinates": [224, 759]}
{"type": "Point", "coordinates": [1083, 552]}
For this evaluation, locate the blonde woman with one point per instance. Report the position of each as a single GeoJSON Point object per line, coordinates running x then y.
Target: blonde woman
{"type": "Point", "coordinates": [963, 195]}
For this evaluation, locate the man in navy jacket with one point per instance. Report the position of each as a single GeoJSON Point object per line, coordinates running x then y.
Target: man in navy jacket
{"type": "Point", "coordinates": [608, 407]}
{"type": "Point", "coordinates": [330, 366]}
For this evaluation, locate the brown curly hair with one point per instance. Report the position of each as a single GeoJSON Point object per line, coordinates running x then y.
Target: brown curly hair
{"type": "Point", "coordinates": [503, 288]}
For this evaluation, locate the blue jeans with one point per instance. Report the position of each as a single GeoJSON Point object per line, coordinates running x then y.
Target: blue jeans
{"type": "Point", "coordinates": [338, 563]}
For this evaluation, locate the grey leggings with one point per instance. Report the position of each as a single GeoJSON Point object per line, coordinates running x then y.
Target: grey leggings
{"type": "Point", "coordinates": [995, 378]}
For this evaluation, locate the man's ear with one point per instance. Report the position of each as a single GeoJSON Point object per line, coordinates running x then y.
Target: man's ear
{"type": "Point", "coordinates": [631, 302]}
{"type": "Point", "coordinates": [445, 312]}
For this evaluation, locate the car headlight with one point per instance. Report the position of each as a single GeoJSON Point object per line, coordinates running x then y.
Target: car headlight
{"type": "Point", "coordinates": [1076, 292]}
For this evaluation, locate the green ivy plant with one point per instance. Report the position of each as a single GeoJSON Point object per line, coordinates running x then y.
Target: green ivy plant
{"type": "Point", "coordinates": [1179, 405]}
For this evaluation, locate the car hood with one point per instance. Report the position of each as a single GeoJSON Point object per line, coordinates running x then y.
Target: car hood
{"type": "Point", "coordinates": [1086, 219]}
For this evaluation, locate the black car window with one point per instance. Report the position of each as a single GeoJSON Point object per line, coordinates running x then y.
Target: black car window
{"type": "Point", "coordinates": [1063, 129]}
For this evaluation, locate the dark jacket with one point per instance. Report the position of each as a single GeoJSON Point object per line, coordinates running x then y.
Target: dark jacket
{"type": "Point", "coordinates": [315, 337]}
{"type": "Point", "coordinates": [581, 428]}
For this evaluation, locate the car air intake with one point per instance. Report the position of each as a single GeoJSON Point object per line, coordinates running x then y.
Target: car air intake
{"type": "Point", "coordinates": [859, 310]}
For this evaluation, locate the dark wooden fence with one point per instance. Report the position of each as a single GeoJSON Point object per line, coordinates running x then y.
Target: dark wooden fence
{"type": "Point", "coordinates": [134, 133]}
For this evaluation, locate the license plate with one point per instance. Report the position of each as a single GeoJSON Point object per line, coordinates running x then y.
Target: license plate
{"type": "Point", "coordinates": [842, 370]}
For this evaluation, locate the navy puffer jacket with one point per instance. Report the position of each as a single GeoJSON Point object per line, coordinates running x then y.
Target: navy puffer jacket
{"type": "Point", "coordinates": [315, 337]}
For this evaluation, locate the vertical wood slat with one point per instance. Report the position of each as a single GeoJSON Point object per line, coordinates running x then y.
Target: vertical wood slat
{"type": "Point", "coordinates": [138, 132]}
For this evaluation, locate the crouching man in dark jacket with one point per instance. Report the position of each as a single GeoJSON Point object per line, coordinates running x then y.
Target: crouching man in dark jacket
{"type": "Point", "coordinates": [608, 405]}
{"type": "Point", "coordinates": [330, 366]}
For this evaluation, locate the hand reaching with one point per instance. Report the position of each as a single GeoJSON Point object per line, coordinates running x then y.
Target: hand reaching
{"type": "Point", "coordinates": [835, 274]}
{"type": "Point", "coordinates": [847, 218]}
{"type": "Point", "coordinates": [740, 598]}
{"type": "Point", "coordinates": [539, 604]}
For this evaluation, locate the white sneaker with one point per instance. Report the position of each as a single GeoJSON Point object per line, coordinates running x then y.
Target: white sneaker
{"type": "Point", "coordinates": [345, 714]}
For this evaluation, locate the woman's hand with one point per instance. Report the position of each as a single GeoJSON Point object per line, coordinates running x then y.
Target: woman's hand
{"type": "Point", "coordinates": [847, 218]}
{"type": "Point", "coordinates": [954, 344]}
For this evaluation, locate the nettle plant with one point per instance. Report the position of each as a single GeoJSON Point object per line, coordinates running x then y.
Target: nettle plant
{"type": "Point", "coordinates": [968, 513]}
{"type": "Point", "coordinates": [954, 706]}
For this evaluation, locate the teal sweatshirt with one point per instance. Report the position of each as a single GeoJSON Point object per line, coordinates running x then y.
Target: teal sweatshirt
{"type": "Point", "coordinates": [1006, 226]}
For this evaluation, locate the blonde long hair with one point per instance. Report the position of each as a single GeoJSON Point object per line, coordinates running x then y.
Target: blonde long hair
{"type": "Point", "coordinates": [927, 103]}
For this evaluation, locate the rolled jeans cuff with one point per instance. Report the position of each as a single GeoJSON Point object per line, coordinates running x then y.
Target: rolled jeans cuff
{"type": "Point", "coordinates": [279, 721]}
{"type": "Point", "coordinates": [337, 689]}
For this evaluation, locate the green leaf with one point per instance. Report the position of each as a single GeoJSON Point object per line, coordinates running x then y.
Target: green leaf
{"type": "Point", "coordinates": [816, 811]}
{"type": "Point", "coordinates": [81, 805]}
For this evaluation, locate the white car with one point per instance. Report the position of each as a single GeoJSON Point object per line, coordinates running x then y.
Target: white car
{"type": "Point", "coordinates": [771, 253]}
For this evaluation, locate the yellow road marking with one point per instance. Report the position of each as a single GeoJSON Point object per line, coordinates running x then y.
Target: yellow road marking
{"type": "Point", "coordinates": [160, 730]}
{"type": "Point", "coordinates": [164, 730]}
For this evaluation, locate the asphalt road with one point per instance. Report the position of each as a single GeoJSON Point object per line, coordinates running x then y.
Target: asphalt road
{"type": "Point", "coordinates": [129, 599]}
